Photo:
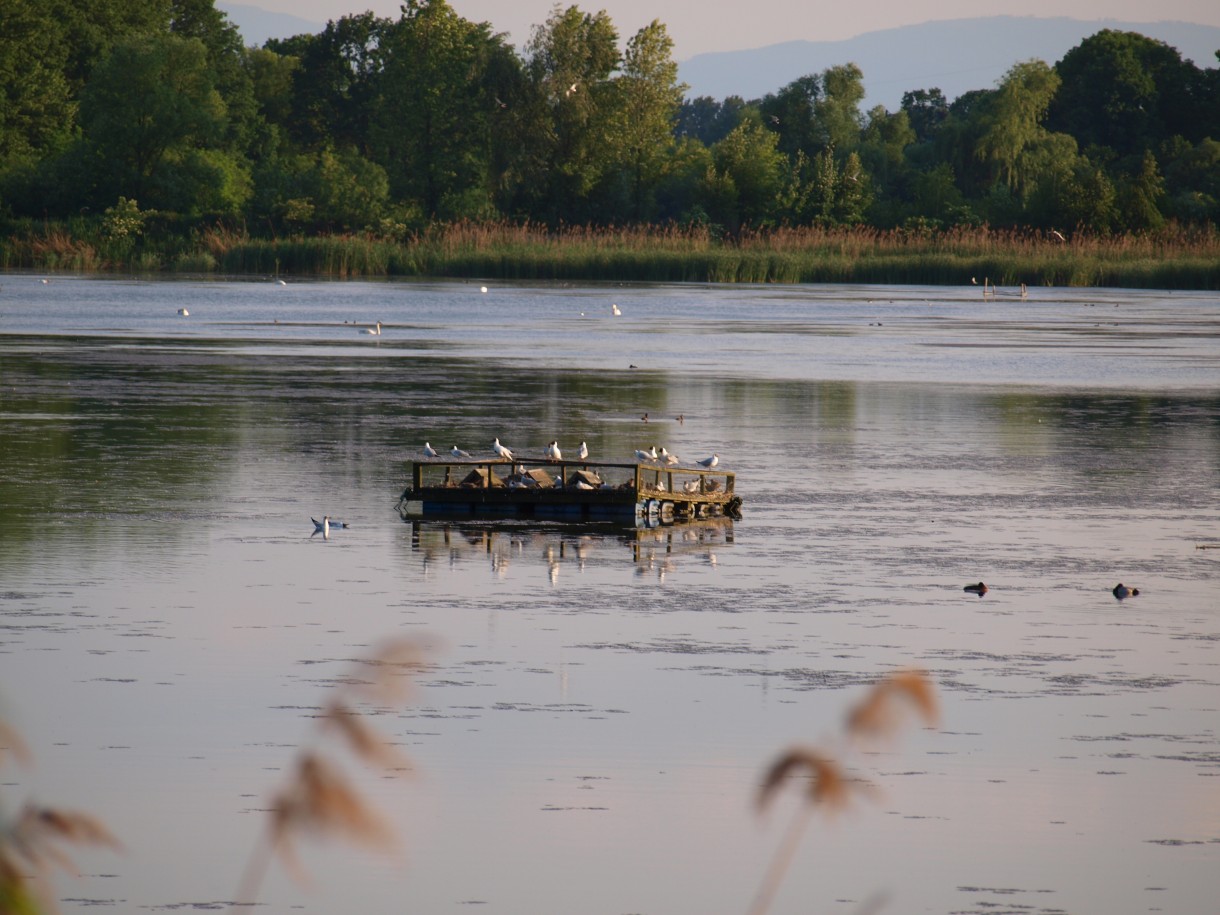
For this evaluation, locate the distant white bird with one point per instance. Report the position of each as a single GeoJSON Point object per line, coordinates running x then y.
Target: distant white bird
{"type": "Point", "coordinates": [501, 450]}
{"type": "Point", "coordinates": [482, 289]}
{"type": "Point", "coordinates": [458, 452]}
{"type": "Point", "coordinates": [429, 451]}
{"type": "Point", "coordinates": [327, 524]}
{"type": "Point", "coordinates": [553, 452]}
{"type": "Point", "coordinates": [184, 312]}
{"type": "Point", "coordinates": [667, 457]}
{"type": "Point", "coordinates": [711, 462]}
{"type": "Point", "coordinates": [281, 282]}
{"type": "Point", "coordinates": [650, 455]}
{"type": "Point", "coordinates": [376, 332]}
{"type": "Point", "coordinates": [584, 451]}
{"type": "Point", "coordinates": [615, 310]}
{"type": "Point", "coordinates": [690, 486]}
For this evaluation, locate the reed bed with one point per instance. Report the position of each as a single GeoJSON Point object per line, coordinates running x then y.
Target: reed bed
{"type": "Point", "coordinates": [1173, 258]}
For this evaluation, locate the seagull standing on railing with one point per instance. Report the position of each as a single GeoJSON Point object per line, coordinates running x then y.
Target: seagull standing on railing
{"type": "Point", "coordinates": [650, 455]}
{"type": "Point", "coordinates": [501, 451]}
{"type": "Point", "coordinates": [429, 451]}
{"type": "Point", "coordinates": [668, 457]}
{"type": "Point", "coordinates": [711, 462]}
{"type": "Point", "coordinates": [458, 452]}
{"type": "Point", "coordinates": [584, 451]}
{"type": "Point", "coordinates": [553, 453]}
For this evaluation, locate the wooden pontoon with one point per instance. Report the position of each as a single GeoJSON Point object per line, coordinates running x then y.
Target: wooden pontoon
{"type": "Point", "coordinates": [578, 489]}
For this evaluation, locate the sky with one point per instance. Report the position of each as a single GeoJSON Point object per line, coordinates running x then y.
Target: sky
{"type": "Point", "coordinates": [698, 26]}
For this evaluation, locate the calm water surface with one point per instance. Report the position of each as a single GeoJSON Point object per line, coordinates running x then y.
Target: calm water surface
{"type": "Point", "coordinates": [602, 702]}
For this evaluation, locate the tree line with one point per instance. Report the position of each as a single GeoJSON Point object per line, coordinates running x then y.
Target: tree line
{"type": "Point", "coordinates": [133, 110]}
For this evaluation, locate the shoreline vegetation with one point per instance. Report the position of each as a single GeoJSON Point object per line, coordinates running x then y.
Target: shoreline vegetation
{"type": "Point", "coordinates": [1174, 257]}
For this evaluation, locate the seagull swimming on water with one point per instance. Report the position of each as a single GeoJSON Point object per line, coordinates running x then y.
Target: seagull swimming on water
{"type": "Point", "coordinates": [711, 462]}
{"type": "Point", "coordinates": [429, 451]}
{"type": "Point", "coordinates": [501, 450]}
{"type": "Point", "coordinates": [458, 452]}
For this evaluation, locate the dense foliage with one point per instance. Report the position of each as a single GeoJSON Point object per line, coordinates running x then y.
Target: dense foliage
{"type": "Point", "coordinates": [120, 118]}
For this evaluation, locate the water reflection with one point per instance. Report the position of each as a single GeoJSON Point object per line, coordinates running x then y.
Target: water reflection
{"type": "Point", "coordinates": [652, 546]}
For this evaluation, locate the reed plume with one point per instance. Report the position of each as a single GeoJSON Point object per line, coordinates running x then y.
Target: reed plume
{"type": "Point", "coordinates": [829, 784]}
{"type": "Point", "coordinates": [32, 844]}
{"type": "Point", "coordinates": [318, 799]}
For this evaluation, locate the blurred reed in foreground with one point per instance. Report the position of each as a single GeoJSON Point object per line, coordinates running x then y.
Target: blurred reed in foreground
{"type": "Point", "coordinates": [827, 783]}
{"type": "Point", "coordinates": [31, 843]}
{"type": "Point", "coordinates": [319, 800]}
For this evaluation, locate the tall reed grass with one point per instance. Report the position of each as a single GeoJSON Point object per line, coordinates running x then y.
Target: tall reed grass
{"type": "Point", "coordinates": [318, 798]}
{"type": "Point", "coordinates": [1174, 258]}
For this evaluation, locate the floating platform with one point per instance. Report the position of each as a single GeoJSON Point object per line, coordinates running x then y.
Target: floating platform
{"type": "Point", "coordinates": [575, 490]}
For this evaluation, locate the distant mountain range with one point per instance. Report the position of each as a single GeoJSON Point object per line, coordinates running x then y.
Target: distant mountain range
{"type": "Point", "coordinates": [953, 55]}
{"type": "Point", "coordinates": [257, 25]}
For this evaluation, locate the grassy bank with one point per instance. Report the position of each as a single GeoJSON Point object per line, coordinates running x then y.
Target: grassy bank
{"type": "Point", "coordinates": [1175, 258]}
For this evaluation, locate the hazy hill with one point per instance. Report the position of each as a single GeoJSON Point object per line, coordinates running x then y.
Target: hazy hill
{"type": "Point", "coordinates": [954, 55]}
{"type": "Point", "coordinates": [257, 25]}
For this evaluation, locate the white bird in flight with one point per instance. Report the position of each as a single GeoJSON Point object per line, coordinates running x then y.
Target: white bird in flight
{"type": "Point", "coordinates": [429, 451]}
{"type": "Point", "coordinates": [501, 450]}
{"type": "Point", "coordinates": [458, 452]}
{"type": "Point", "coordinates": [711, 462]}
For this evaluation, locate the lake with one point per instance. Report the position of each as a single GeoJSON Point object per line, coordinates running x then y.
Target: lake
{"type": "Point", "coordinates": [600, 703]}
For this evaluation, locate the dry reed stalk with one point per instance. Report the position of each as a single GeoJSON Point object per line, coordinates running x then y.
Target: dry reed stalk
{"type": "Point", "coordinates": [31, 845]}
{"type": "Point", "coordinates": [830, 787]}
{"type": "Point", "coordinates": [318, 799]}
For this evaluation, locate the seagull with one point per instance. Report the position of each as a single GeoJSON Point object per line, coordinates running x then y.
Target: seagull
{"type": "Point", "coordinates": [571, 89]}
{"type": "Point", "coordinates": [980, 589]}
{"type": "Point", "coordinates": [615, 310]}
{"type": "Point", "coordinates": [281, 282]}
{"type": "Point", "coordinates": [429, 451]}
{"type": "Point", "coordinates": [458, 452]}
{"type": "Point", "coordinates": [584, 451]}
{"type": "Point", "coordinates": [553, 452]}
{"type": "Point", "coordinates": [650, 455]}
{"type": "Point", "coordinates": [711, 462]}
{"type": "Point", "coordinates": [500, 450]}
{"type": "Point", "coordinates": [376, 332]}
{"type": "Point", "coordinates": [184, 312]}
{"type": "Point", "coordinates": [690, 486]}
{"type": "Point", "coordinates": [667, 457]}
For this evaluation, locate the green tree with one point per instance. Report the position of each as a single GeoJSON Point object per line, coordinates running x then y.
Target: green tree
{"type": "Point", "coordinates": [569, 62]}
{"type": "Point", "coordinates": [1127, 92]}
{"type": "Point", "coordinates": [36, 103]}
{"type": "Point", "coordinates": [644, 106]}
{"type": "Point", "coordinates": [148, 106]}
{"type": "Point", "coordinates": [432, 127]}
{"type": "Point", "coordinates": [338, 78]}
{"type": "Point", "coordinates": [747, 175]}
{"type": "Point", "coordinates": [1012, 118]}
